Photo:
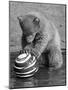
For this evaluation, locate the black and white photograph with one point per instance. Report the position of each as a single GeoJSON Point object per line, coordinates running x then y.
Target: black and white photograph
{"type": "Point", "coordinates": [37, 44]}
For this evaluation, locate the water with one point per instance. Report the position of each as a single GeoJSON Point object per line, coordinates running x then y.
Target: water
{"type": "Point", "coordinates": [43, 78]}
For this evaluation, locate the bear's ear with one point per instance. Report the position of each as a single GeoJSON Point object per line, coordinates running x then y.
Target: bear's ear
{"type": "Point", "coordinates": [20, 18]}
{"type": "Point", "coordinates": [36, 20]}
{"type": "Point", "coordinates": [20, 22]}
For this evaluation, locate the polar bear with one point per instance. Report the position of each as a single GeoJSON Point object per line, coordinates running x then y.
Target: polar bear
{"type": "Point", "coordinates": [39, 35]}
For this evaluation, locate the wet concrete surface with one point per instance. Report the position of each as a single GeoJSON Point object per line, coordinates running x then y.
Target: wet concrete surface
{"type": "Point", "coordinates": [43, 78]}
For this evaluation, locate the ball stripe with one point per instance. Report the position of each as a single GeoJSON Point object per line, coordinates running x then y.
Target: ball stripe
{"type": "Point", "coordinates": [27, 75]}
{"type": "Point", "coordinates": [23, 60]}
{"type": "Point", "coordinates": [27, 72]}
{"type": "Point", "coordinates": [22, 56]}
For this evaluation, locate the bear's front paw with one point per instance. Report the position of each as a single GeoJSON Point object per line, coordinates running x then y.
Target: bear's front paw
{"type": "Point", "coordinates": [55, 65]}
{"type": "Point", "coordinates": [27, 49]}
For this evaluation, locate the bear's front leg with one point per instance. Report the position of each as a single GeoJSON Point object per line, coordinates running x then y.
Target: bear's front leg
{"type": "Point", "coordinates": [39, 45]}
{"type": "Point", "coordinates": [30, 49]}
{"type": "Point", "coordinates": [55, 58]}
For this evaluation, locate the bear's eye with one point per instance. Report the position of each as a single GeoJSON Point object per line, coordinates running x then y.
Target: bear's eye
{"type": "Point", "coordinates": [36, 20]}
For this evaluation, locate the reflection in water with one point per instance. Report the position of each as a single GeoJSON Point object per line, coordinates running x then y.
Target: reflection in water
{"type": "Point", "coordinates": [43, 77]}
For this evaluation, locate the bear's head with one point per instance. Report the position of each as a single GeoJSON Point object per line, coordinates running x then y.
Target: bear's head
{"type": "Point", "coordinates": [30, 25]}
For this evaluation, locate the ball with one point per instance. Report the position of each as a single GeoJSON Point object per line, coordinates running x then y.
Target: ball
{"type": "Point", "coordinates": [25, 65]}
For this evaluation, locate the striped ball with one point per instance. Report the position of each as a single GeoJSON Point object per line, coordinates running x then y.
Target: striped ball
{"type": "Point", "coordinates": [25, 65]}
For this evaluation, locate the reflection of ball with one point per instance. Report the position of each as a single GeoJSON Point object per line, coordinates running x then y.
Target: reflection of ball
{"type": "Point", "coordinates": [25, 65]}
